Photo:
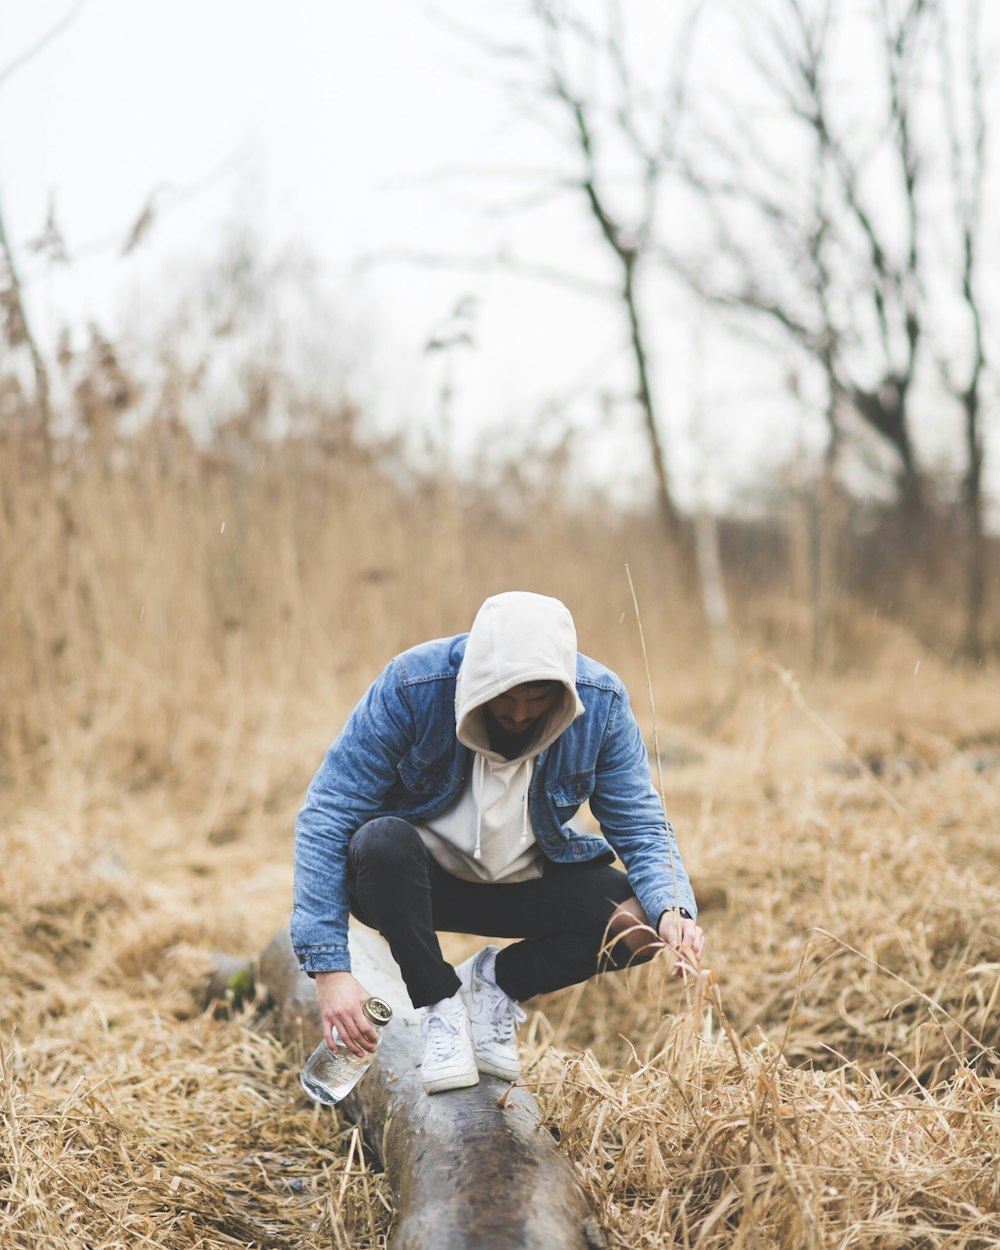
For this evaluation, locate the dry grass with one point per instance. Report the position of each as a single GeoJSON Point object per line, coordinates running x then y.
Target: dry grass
{"type": "Point", "coordinates": [168, 688]}
{"type": "Point", "coordinates": [710, 1145]}
{"type": "Point", "coordinates": [130, 1116]}
{"type": "Point", "coordinates": [834, 1081]}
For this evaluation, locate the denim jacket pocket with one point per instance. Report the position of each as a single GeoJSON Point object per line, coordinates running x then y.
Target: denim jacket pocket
{"type": "Point", "coordinates": [569, 792]}
{"type": "Point", "coordinates": [421, 780]}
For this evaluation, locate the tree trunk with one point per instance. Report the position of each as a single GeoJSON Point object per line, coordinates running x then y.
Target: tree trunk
{"type": "Point", "coordinates": [826, 543]}
{"type": "Point", "coordinates": [715, 602]}
{"type": "Point", "coordinates": [470, 1169]}
{"type": "Point", "coordinates": [678, 532]}
{"type": "Point", "coordinates": [975, 554]}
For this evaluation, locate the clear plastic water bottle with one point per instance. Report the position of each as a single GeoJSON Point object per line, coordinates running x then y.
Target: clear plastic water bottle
{"type": "Point", "coordinates": [330, 1075]}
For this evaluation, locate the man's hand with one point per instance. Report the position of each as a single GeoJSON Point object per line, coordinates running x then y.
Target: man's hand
{"type": "Point", "coordinates": [340, 997]}
{"type": "Point", "coordinates": [686, 938]}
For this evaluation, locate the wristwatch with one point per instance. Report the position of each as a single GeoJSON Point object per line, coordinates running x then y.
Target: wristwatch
{"type": "Point", "coordinates": [681, 911]}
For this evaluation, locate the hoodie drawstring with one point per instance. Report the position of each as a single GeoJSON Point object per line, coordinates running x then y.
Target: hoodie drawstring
{"type": "Point", "coordinates": [478, 852]}
{"type": "Point", "coordinates": [524, 804]}
{"type": "Point", "coordinates": [528, 769]}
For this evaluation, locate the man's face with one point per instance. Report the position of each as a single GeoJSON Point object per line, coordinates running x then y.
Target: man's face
{"type": "Point", "coordinates": [520, 710]}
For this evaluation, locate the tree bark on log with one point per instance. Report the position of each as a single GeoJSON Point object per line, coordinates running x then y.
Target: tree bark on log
{"type": "Point", "coordinates": [230, 982]}
{"type": "Point", "coordinates": [470, 1169]}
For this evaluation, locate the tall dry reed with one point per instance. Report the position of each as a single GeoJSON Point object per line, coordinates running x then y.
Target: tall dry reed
{"type": "Point", "coordinates": [160, 595]}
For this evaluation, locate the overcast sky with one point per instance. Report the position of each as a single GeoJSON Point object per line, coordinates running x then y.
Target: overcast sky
{"type": "Point", "coordinates": [354, 131]}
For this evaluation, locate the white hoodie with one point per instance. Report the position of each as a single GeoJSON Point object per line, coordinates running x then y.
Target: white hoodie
{"type": "Point", "coordinates": [486, 834]}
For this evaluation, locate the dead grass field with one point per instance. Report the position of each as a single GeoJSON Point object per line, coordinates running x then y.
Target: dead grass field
{"type": "Point", "coordinates": [171, 676]}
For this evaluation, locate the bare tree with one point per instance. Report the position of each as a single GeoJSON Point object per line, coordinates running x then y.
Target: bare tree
{"type": "Point", "coordinates": [822, 236]}
{"type": "Point", "coordinates": [966, 130]}
{"type": "Point", "coordinates": [805, 199]}
{"type": "Point", "coordinates": [820, 200]}
{"type": "Point", "coordinates": [600, 131]}
{"type": "Point", "coordinates": [626, 240]}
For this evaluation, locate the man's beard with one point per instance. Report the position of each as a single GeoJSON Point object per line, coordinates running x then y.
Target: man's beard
{"type": "Point", "coordinates": [510, 742]}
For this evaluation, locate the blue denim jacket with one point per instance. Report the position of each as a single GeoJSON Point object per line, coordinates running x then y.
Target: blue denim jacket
{"type": "Point", "coordinates": [398, 755]}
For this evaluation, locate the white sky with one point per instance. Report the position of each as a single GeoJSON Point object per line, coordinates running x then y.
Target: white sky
{"type": "Point", "coordinates": [332, 125]}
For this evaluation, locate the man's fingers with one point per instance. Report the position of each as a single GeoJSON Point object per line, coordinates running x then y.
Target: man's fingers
{"type": "Point", "coordinates": [367, 1037]}
{"type": "Point", "coordinates": [344, 1031]}
{"type": "Point", "coordinates": [359, 1037]}
{"type": "Point", "coordinates": [689, 936]}
{"type": "Point", "coordinates": [688, 949]}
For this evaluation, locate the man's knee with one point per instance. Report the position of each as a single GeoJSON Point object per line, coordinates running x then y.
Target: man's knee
{"type": "Point", "coordinates": [386, 844]}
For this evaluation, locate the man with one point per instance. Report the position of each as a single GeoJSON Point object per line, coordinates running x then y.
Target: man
{"type": "Point", "coordinates": [444, 805]}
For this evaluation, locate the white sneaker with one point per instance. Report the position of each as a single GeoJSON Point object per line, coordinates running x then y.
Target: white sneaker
{"type": "Point", "coordinates": [448, 1061]}
{"type": "Point", "coordinates": [493, 1018]}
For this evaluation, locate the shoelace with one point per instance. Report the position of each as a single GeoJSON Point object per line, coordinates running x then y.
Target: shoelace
{"type": "Point", "coordinates": [505, 1016]}
{"type": "Point", "coordinates": [440, 1029]}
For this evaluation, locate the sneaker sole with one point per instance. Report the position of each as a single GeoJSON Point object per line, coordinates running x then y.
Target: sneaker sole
{"type": "Point", "coordinates": [495, 1069]}
{"type": "Point", "coordinates": [457, 1080]}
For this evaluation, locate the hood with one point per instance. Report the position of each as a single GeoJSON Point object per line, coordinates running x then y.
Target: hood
{"type": "Point", "coordinates": [517, 637]}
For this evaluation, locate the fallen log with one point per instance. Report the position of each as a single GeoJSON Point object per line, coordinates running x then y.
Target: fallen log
{"type": "Point", "coordinates": [470, 1169]}
{"type": "Point", "coordinates": [229, 981]}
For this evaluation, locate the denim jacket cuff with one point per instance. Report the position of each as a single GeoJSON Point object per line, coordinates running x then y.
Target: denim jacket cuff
{"type": "Point", "coordinates": [665, 901]}
{"type": "Point", "coordinates": [315, 959]}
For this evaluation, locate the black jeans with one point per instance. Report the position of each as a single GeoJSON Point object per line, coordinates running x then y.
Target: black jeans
{"type": "Point", "coordinates": [398, 889]}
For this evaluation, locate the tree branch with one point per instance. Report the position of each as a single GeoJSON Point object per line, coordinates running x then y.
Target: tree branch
{"type": "Point", "coordinates": [42, 43]}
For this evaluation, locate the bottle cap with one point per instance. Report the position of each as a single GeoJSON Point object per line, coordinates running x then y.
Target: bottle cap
{"type": "Point", "coordinates": [377, 1010]}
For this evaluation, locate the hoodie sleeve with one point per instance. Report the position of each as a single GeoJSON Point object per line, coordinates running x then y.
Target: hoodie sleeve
{"type": "Point", "coordinates": [347, 791]}
{"type": "Point", "coordinates": [631, 817]}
